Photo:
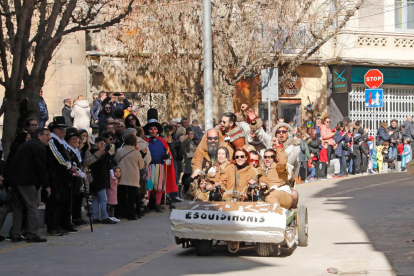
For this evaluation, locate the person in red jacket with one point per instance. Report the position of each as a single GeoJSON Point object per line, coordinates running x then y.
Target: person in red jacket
{"type": "Point", "coordinates": [323, 160]}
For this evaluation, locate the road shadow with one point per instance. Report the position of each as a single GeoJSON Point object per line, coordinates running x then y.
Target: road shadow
{"type": "Point", "coordinates": [383, 206]}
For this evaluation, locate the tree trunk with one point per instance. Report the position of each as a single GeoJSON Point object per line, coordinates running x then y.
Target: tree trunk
{"type": "Point", "coordinates": [11, 117]}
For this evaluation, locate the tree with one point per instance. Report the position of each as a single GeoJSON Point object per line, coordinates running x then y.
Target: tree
{"type": "Point", "coordinates": [248, 35]}
{"type": "Point", "coordinates": [30, 31]}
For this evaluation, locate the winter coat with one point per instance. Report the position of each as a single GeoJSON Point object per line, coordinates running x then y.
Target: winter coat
{"type": "Point", "coordinates": [112, 192]}
{"type": "Point", "coordinates": [406, 156]}
{"type": "Point", "coordinates": [201, 160]}
{"type": "Point", "coordinates": [314, 147]}
{"type": "Point", "coordinates": [383, 135]}
{"type": "Point", "coordinates": [327, 135]}
{"type": "Point", "coordinates": [358, 138]}
{"type": "Point", "coordinates": [81, 114]}
{"type": "Point", "coordinates": [340, 140]}
{"type": "Point", "coordinates": [130, 161]}
{"type": "Point", "coordinates": [395, 135]}
{"type": "Point", "coordinates": [237, 180]}
{"type": "Point", "coordinates": [302, 153]}
{"type": "Point", "coordinates": [96, 108]}
{"type": "Point", "coordinates": [100, 171]}
{"type": "Point", "coordinates": [124, 105]}
{"type": "Point", "coordinates": [66, 114]}
{"type": "Point", "coordinates": [29, 166]}
{"type": "Point", "coordinates": [408, 131]}
{"type": "Point", "coordinates": [43, 113]}
{"type": "Point", "coordinates": [102, 118]}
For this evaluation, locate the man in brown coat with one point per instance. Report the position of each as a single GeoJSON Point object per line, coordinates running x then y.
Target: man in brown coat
{"type": "Point", "coordinates": [232, 133]}
{"type": "Point", "coordinates": [206, 154]}
{"type": "Point", "coordinates": [279, 191]}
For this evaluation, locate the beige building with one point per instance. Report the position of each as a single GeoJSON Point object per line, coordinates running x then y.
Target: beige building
{"type": "Point", "coordinates": [381, 36]}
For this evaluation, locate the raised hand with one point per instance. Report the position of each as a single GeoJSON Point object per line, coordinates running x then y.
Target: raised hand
{"type": "Point", "coordinates": [250, 113]}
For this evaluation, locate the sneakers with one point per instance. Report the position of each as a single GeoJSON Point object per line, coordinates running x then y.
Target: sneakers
{"type": "Point", "coordinates": [8, 237]}
{"type": "Point", "coordinates": [179, 199]}
{"type": "Point", "coordinates": [71, 230]}
{"type": "Point", "coordinates": [24, 236]}
{"type": "Point", "coordinates": [337, 175]}
{"type": "Point", "coordinates": [114, 219]}
{"type": "Point", "coordinates": [55, 233]}
{"type": "Point", "coordinates": [108, 221]}
{"type": "Point", "coordinates": [36, 239]}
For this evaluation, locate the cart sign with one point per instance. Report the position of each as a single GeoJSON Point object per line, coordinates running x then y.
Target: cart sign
{"type": "Point", "coordinates": [373, 78]}
{"type": "Point", "coordinates": [374, 98]}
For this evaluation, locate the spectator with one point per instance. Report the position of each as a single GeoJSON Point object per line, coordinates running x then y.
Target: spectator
{"type": "Point", "coordinates": [128, 110]}
{"type": "Point", "coordinates": [29, 170]}
{"type": "Point", "coordinates": [395, 136]}
{"type": "Point", "coordinates": [96, 109]}
{"type": "Point", "coordinates": [323, 160]}
{"type": "Point", "coordinates": [112, 101]}
{"type": "Point", "coordinates": [327, 135]}
{"type": "Point", "coordinates": [188, 149]}
{"type": "Point", "coordinates": [311, 168]}
{"type": "Point", "coordinates": [112, 193]}
{"type": "Point", "coordinates": [382, 134]}
{"type": "Point", "coordinates": [198, 132]}
{"type": "Point", "coordinates": [31, 126]}
{"type": "Point", "coordinates": [81, 113]}
{"type": "Point", "coordinates": [110, 128]}
{"type": "Point", "coordinates": [101, 181]}
{"type": "Point", "coordinates": [134, 111]}
{"type": "Point", "coordinates": [342, 139]}
{"type": "Point", "coordinates": [130, 162]}
{"type": "Point", "coordinates": [119, 133]}
{"type": "Point", "coordinates": [131, 121]}
{"type": "Point", "coordinates": [407, 154]}
{"type": "Point", "coordinates": [185, 123]}
{"type": "Point", "coordinates": [408, 130]}
{"type": "Point", "coordinates": [43, 113]}
{"type": "Point", "coordinates": [67, 109]}
{"type": "Point", "coordinates": [105, 114]}
{"type": "Point", "coordinates": [357, 146]}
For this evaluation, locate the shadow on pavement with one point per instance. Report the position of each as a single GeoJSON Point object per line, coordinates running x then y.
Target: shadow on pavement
{"type": "Point", "coordinates": [383, 206]}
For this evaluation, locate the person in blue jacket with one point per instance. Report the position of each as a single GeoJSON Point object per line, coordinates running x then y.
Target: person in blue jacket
{"type": "Point", "coordinates": [44, 114]}
{"type": "Point", "coordinates": [341, 137]}
{"type": "Point", "coordinates": [383, 135]}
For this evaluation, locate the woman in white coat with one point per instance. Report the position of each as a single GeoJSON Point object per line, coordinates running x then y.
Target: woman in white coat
{"type": "Point", "coordinates": [81, 113]}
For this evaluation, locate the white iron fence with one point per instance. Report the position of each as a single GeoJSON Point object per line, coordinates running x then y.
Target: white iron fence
{"type": "Point", "coordinates": [398, 104]}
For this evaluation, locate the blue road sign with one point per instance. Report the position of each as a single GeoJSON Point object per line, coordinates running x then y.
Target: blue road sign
{"type": "Point", "coordinates": [374, 97]}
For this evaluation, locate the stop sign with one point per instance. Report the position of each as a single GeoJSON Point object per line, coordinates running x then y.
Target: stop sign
{"type": "Point", "coordinates": [373, 78]}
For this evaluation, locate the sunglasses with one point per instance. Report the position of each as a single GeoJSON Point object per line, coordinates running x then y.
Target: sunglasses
{"type": "Point", "coordinates": [269, 157]}
{"type": "Point", "coordinates": [240, 156]}
{"type": "Point", "coordinates": [254, 161]}
{"type": "Point", "coordinates": [327, 121]}
{"type": "Point", "coordinates": [131, 119]}
{"type": "Point", "coordinates": [62, 128]}
{"type": "Point", "coordinates": [281, 131]}
{"type": "Point", "coordinates": [212, 138]}
{"type": "Point", "coordinates": [33, 125]}
{"type": "Point", "coordinates": [108, 107]}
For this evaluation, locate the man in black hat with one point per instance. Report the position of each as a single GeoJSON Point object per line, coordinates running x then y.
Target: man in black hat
{"type": "Point", "coordinates": [161, 158]}
{"type": "Point", "coordinates": [60, 172]}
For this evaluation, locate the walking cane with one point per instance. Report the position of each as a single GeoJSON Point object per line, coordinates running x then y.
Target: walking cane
{"type": "Point", "coordinates": [87, 204]}
{"type": "Point", "coordinates": [165, 191]}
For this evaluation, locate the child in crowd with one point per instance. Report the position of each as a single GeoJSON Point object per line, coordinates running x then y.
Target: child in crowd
{"type": "Point", "coordinates": [407, 154]}
{"type": "Point", "coordinates": [311, 168]}
{"type": "Point", "coordinates": [323, 160]}
{"type": "Point", "coordinates": [112, 192]}
{"type": "Point", "coordinates": [400, 151]}
{"type": "Point", "coordinates": [372, 162]}
{"type": "Point", "coordinates": [379, 151]}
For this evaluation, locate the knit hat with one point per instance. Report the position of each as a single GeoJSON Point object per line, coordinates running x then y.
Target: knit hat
{"type": "Point", "coordinates": [370, 138]}
{"type": "Point", "coordinates": [279, 125]}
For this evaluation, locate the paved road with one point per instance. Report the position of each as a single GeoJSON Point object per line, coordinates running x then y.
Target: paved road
{"type": "Point", "coordinates": [360, 225]}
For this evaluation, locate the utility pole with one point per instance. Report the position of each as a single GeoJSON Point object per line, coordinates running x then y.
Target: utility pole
{"type": "Point", "coordinates": [208, 65]}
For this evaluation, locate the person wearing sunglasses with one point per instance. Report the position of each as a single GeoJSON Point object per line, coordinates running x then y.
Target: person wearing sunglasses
{"type": "Point", "coordinates": [206, 154]}
{"type": "Point", "coordinates": [240, 174]}
{"type": "Point", "coordinates": [275, 163]}
{"type": "Point", "coordinates": [232, 133]}
{"type": "Point", "coordinates": [131, 121]}
{"type": "Point", "coordinates": [105, 114]}
{"type": "Point", "coordinates": [327, 135]}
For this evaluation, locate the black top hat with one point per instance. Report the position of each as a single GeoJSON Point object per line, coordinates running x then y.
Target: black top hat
{"type": "Point", "coordinates": [59, 121]}
{"type": "Point", "coordinates": [70, 132]}
{"type": "Point", "coordinates": [152, 120]}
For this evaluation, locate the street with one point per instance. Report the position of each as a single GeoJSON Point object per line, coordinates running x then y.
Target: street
{"type": "Point", "coordinates": [360, 225]}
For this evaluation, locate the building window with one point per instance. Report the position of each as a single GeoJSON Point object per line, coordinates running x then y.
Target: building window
{"type": "Point", "coordinates": [404, 15]}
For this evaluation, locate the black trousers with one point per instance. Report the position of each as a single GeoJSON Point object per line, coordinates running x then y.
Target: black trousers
{"type": "Point", "coordinates": [364, 163]}
{"type": "Point", "coordinates": [77, 206]}
{"type": "Point", "coordinates": [126, 201]}
{"type": "Point", "coordinates": [358, 160]}
{"type": "Point", "coordinates": [186, 181]}
{"type": "Point", "coordinates": [323, 169]}
{"type": "Point", "coordinates": [303, 169]}
{"type": "Point", "coordinates": [330, 151]}
{"type": "Point", "coordinates": [57, 212]}
{"type": "Point", "coordinates": [24, 197]}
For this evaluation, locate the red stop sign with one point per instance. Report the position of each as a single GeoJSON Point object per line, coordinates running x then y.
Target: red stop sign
{"type": "Point", "coordinates": [373, 78]}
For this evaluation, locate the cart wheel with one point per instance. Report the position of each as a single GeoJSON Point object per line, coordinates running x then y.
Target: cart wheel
{"type": "Point", "coordinates": [302, 221]}
{"type": "Point", "coordinates": [265, 249]}
{"type": "Point", "coordinates": [204, 247]}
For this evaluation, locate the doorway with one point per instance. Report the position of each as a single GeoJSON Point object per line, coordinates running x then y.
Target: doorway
{"type": "Point", "coordinates": [290, 111]}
